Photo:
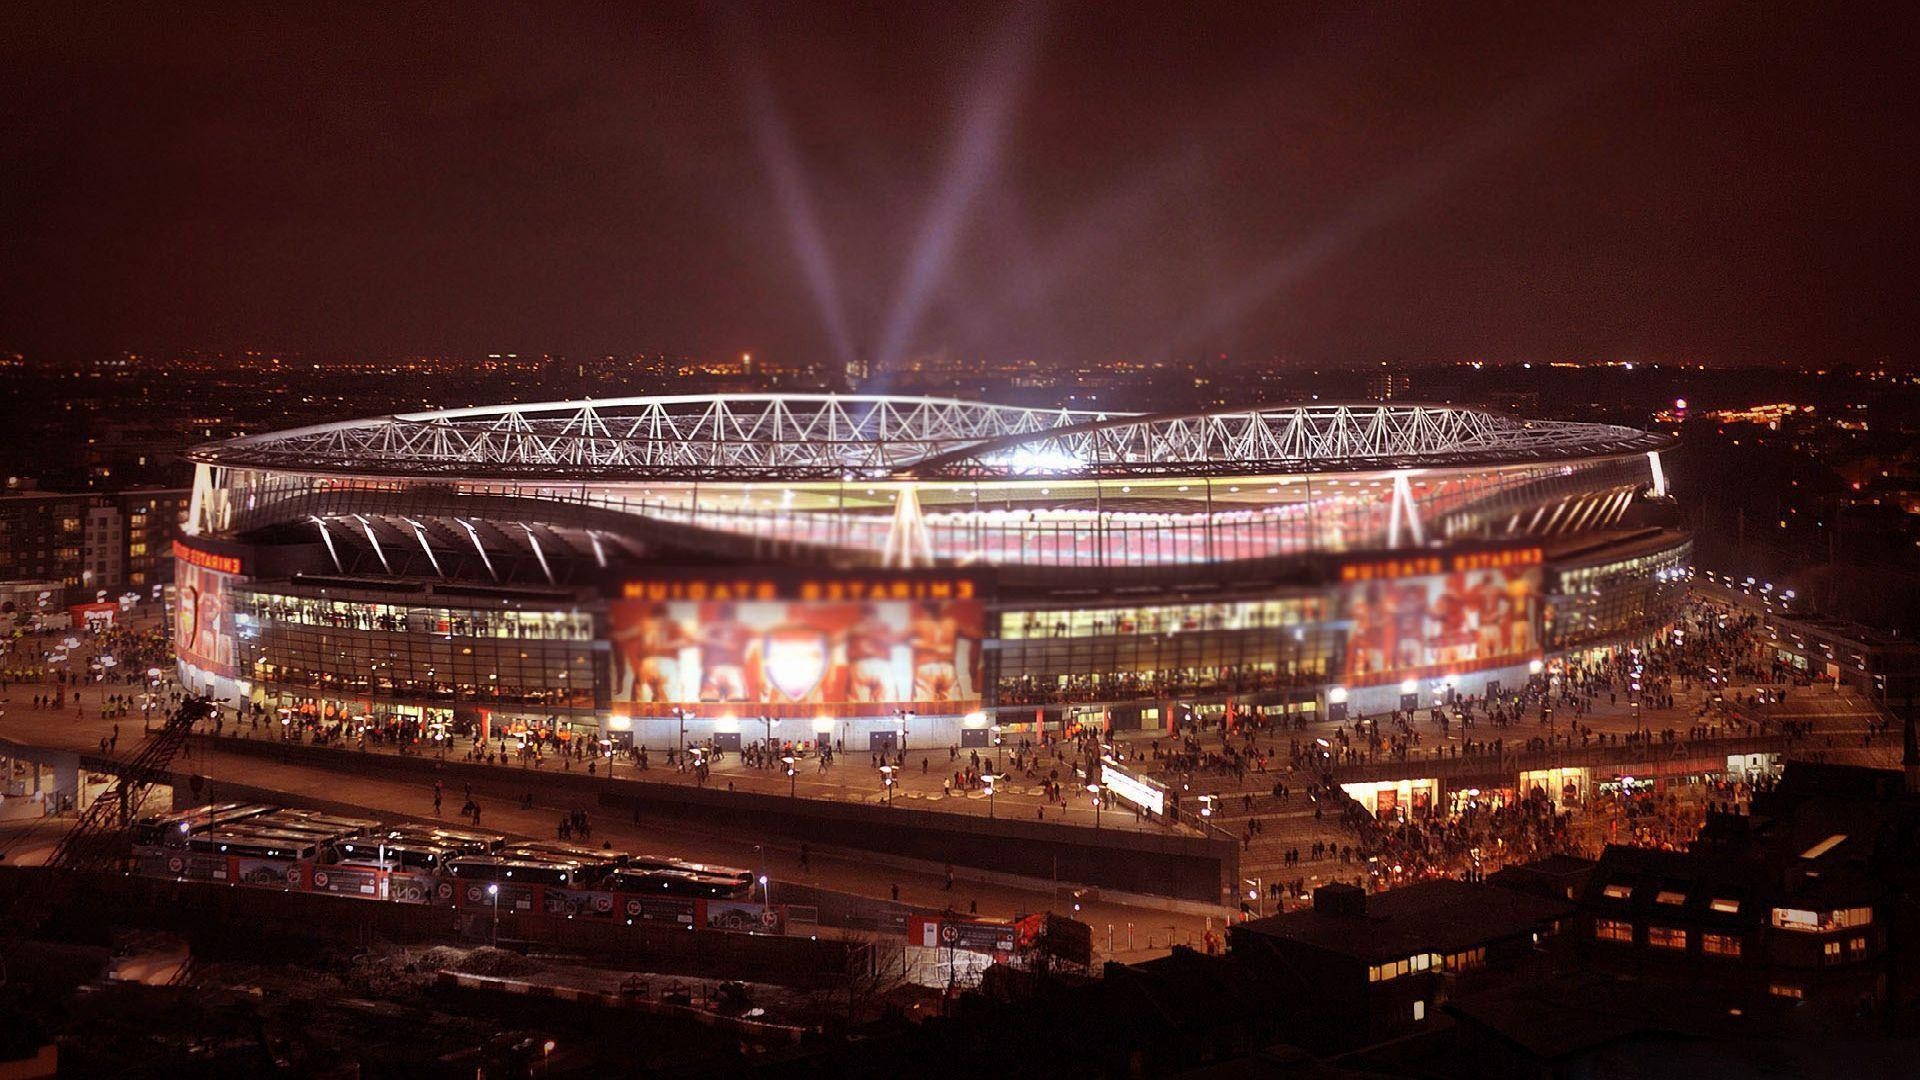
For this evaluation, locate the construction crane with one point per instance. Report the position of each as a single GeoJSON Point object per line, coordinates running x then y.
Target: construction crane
{"type": "Point", "coordinates": [97, 841]}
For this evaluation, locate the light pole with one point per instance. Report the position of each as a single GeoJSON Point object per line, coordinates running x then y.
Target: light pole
{"type": "Point", "coordinates": [767, 719]}
{"type": "Point", "coordinates": [1253, 894]}
{"type": "Point", "coordinates": [996, 747]}
{"type": "Point", "coordinates": [904, 715]}
{"type": "Point", "coordinates": [1094, 790]}
{"type": "Point", "coordinates": [493, 890]}
{"type": "Point", "coordinates": [989, 780]}
{"type": "Point", "coordinates": [793, 777]}
{"type": "Point", "coordinates": [682, 715]}
{"type": "Point", "coordinates": [886, 778]}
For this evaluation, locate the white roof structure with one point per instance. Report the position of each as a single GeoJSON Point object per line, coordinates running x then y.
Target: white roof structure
{"type": "Point", "coordinates": [798, 437]}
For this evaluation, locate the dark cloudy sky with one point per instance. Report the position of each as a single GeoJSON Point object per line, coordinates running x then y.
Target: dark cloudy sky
{"type": "Point", "coordinates": [1334, 183]}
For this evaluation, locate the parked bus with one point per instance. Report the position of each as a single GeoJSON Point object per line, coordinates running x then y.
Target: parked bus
{"type": "Point", "coordinates": [239, 855]}
{"type": "Point", "coordinates": [462, 841]}
{"type": "Point", "coordinates": [744, 878]}
{"type": "Point", "coordinates": [683, 883]}
{"type": "Point", "coordinates": [407, 871]}
{"type": "Point", "coordinates": [172, 830]}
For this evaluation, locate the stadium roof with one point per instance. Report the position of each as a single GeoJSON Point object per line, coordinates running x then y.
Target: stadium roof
{"type": "Point", "coordinates": [819, 437]}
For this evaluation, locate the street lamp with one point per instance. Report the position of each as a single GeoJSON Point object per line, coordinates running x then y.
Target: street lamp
{"type": "Point", "coordinates": [767, 719]}
{"type": "Point", "coordinates": [1094, 790]}
{"type": "Point", "coordinates": [996, 747]}
{"type": "Point", "coordinates": [682, 715]}
{"type": "Point", "coordinates": [989, 780]}
{"type": "Point", "coordinates": [1253, 894]}
{"type": "Point", "coordinates": [1206, 805]}
{"type": "Point", "coordinates": [904, 715]}
{"type": "Point", "coordinates": [493, 890]}
{"type": "Point", "coordinates": [886, 777]}
{"type": "Point", "coordinates": [793, 777]}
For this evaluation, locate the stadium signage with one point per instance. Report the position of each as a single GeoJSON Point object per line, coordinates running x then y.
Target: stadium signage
{"type": "Point", "coordinates": [1135, 789]}
{"type": "Point", "coordinates": [1424, 565]}
{"type": "Point", "coordinates": [206, 560]}
{"type": "Point", "coordinates": [829, 590]}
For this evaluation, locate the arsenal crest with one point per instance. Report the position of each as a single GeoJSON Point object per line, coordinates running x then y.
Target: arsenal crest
{"type": "Point", "coordinates": [796, 660]}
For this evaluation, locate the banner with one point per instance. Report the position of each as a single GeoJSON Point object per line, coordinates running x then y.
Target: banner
{"type": "Point", "coordinates": [798, 657]}
{"type": "Point", "coordinates": [1430, 625]}
{"type": "Point", "coordinates": [202, 623]}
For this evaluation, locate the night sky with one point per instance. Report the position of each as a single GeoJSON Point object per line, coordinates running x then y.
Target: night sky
{"type": "Point", "coordinates": [1339, 184]}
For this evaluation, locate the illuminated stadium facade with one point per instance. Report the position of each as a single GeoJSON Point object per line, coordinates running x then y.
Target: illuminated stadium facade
{"type": "Point", "coordinates": [872, 568]}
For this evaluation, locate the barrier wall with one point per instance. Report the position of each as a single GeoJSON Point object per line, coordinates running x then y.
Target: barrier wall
{"type": "Point", "coordinates": [1172, 865]}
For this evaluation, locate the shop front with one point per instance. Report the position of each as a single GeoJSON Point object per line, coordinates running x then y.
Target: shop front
{"type": "Point", "coordinates": [1391, 798]}
{"type": "Point", "coordinates": [1565, 787]}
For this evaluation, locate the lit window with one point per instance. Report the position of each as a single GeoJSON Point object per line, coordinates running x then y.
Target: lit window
{"type": "Point", "coordinates": [1725, 906]}
{"type": "Point", "coordinates": [1720, 944]}
{"type": "Point", "coordinates": [1618, 892]}
{"type": "Point", "coordinates": [1666, 937]}
{"type": "Point", "coordinates": [1857, 947]}
{"type": "Point", "coordinates": [1419, 1011]}
{"type": "Point", "coordinates": [1668, 896]}
{"type": "Point", "coordinates": [1783, 990]}
{"type": "Point", "coordinates": [1830, 952]}
{"type": "Point", "coordinates": [1613, 930]}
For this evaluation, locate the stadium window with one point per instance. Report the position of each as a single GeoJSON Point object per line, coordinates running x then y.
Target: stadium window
{"type": "Point", "coordinates": [1613, 930]}
{"type": "Point", "coordinates": [1666, 937]}
{"type": "Point", "coordinates": [1720, 944]}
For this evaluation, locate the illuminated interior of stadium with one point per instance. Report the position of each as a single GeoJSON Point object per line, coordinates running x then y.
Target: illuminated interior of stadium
{"type": "Point", "coordinates": [927, 481]}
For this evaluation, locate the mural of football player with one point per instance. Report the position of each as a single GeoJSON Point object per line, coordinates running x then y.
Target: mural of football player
{"type": "Point", "coordinates": [724, 641]}
{"type": "Point", "coordinates": [648, 651]}
{"type": "Point", "coordinates": [870, 644]}
{"type": "Point", "coordinates": [935, 637]}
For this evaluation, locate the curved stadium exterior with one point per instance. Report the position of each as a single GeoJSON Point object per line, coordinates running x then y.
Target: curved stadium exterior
{"type": "Point", "coordinates": [876, 569]}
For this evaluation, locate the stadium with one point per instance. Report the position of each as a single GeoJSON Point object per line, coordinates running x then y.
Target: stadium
{"type": "Point", "coordinates": [892, 571]}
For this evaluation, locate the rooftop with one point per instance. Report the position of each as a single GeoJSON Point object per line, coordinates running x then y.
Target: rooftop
{"type": "Point", "coordinates": [1442, 916]}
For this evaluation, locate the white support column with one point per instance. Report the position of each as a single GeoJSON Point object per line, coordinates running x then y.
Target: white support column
{"type": "Point", "coordinates": [328, 538]}
{"type": "Point", "coordinates": [479, 547]}
{"type": "Point", "coordinates": [1659, 489]}
{"type": "Point", "coordinates": [1403, 495]}
{"type": "Point", "coordinates": [375, 541]}
{"type": "Point", "coordinates": [420, 534]}
{"type": "Point", "coordinates": [908, 543]}
{"type": "Point", "coordinates": [534, 542]}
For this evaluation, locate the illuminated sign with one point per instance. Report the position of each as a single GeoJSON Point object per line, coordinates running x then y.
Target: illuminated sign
{"type": "Point", "coordinates": [1423, 565]}
{"type": "Point", "coordinates": [827, 590]}
{"type": "Point", "coordinates": [206, 560]}
{"type": "Point", "coordinates": [1134, 789]}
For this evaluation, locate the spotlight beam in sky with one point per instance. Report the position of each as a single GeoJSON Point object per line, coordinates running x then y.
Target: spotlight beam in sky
{"type": "Point", "coordinates": [1502, 128]}
{"type": "Point", "coordinates": [773, 141]}
{"type": "Point", "coordinates": [971, 163]}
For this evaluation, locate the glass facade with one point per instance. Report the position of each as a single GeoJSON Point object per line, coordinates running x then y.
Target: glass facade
{"type": "Point", "coordinates": [1115, 654]}
{"type": "Point", "coordinates": [289, 610]}
{"type": "Point", "coordinates": [1608, 602]}
{"type": "Point", "coordinates": [440, 655]}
